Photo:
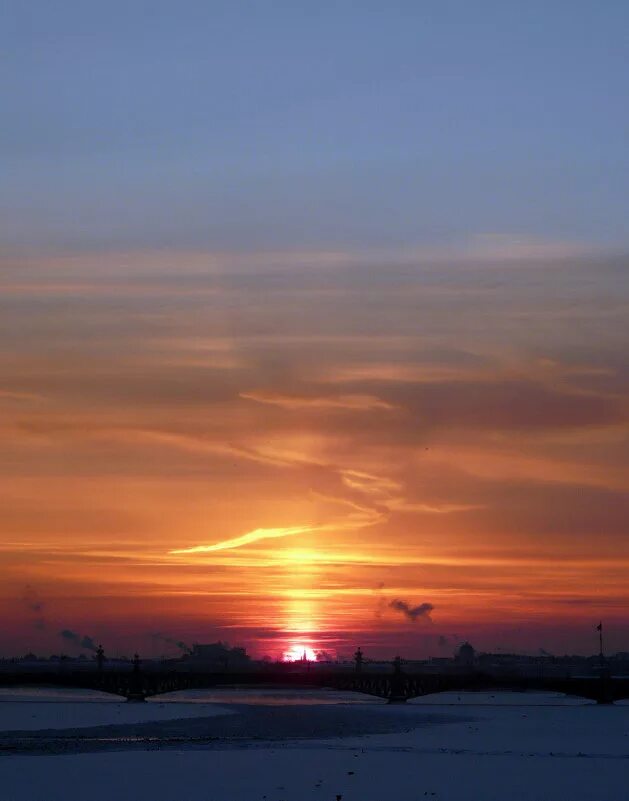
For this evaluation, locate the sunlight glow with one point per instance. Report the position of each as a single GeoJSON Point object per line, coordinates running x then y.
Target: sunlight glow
{"type": "Point", "coordinates": [298, 653]}
{"type": "Point", "coordinates": [248, 538]}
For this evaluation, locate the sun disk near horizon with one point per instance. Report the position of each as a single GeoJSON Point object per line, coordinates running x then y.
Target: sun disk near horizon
{"type": "Point", "coordinates": [296, 653]}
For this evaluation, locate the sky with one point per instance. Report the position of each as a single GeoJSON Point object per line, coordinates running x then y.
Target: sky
{"type": "Point", "coordinates": [312, 316]}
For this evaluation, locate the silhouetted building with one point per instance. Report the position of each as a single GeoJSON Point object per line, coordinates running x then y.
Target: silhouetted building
{"type": "Point", "coordinates": [219, 655]}
{"type": "Point", "coordinates": [465, 655]}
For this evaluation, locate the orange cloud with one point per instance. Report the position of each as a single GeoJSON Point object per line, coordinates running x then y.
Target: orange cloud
{"type": "Point", "coordinates": [456, 433]}
{"type": "Point", "coordinates": [248, 538]}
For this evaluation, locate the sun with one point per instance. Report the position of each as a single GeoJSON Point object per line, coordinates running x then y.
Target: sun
{"type": "Point", "coordinates": [297, 652]}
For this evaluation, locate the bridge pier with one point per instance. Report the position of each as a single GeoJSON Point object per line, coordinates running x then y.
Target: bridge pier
{"type": "Point", "coordinates": [136, 697]}
{"type": "Point", "coordinates": [397, 688]}
{"type": "Point", "coordinates": [136, 693]}
{"type": "Point", "coordinates": [605, 693]}
{"type": "Point", "coordinates": [605, 696]}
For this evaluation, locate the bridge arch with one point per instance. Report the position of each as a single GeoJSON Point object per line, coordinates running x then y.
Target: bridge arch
{"type": "Point", "coordinates": [136, 684]}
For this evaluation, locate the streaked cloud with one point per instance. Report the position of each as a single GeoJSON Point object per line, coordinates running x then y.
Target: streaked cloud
{"type": "Point", "coordinates": [248, 538]}
{"type": "Point", "coordinates": [205, 430]}
{"type": "Point", "coordinates": [13, 395]}
{"type": "Point", "coordinates": [353, 402]}
{"type": "Point", "coordinates": [400, 505]}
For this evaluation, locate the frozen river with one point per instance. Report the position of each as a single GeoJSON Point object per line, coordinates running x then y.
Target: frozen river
{"type": "Point", "coordinates": [272, 745]}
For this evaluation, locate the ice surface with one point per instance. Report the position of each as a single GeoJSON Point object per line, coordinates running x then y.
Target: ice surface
{"type": "Point", "coordinates": [69, 709]}
{"type": "Point", "coordinates": [544, 749]}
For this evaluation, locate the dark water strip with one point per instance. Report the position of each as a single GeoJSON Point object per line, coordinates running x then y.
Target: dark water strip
{"type": "Point", "coordinates": [249, 726]}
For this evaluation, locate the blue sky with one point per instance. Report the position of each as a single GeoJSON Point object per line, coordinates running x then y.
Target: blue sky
{"type": "Point", "coordinates": [245, 125]}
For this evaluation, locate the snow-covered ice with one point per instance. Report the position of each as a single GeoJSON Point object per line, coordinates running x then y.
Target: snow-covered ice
{"type": "Point", "coordinates": [71, 709]}
{"type": "Point", "coordinates": [524, 748]}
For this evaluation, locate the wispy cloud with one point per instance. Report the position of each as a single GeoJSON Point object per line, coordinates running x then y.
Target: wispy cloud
{"type": "Point", "coordinates": [359, 423]}
{"type": "Point", "coordinates": [354, 402]}
{"type": "Point", "coordinates": [249, 538]}
{"type": "Point", "coordinates": [401, 505]}
{"type": "Point", "coordinates": [13, 395]}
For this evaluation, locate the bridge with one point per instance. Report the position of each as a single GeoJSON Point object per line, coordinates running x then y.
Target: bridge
{"type": "Point", "coordinates": [396, 686]}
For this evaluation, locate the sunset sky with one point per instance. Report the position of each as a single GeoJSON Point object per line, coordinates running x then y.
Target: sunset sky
{"type": "Point", "coordinates": [306, 309]}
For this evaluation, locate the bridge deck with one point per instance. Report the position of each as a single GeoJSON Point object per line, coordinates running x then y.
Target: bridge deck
{"type": "Point", "coordinates": [136, 684]}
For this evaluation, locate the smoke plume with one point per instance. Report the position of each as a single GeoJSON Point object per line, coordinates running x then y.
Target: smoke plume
{"type": "Point", "coordinates": [82, 641]}
{"type": "Point", "coordinates": [157, 635]}
{"type": "Point", "coordinates": [381, 601]}
{"type": "Point", "coordinates": [34, 606]}
{"type": "Point", "coordinates": [412, 612]}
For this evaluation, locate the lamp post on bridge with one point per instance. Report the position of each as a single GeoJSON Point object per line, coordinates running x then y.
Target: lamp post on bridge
{"type": "Point", "coordinates": [136, 689]}
{"type": "Point", "coordinates": [397, 694]}
{"type": "Point", "coordinates": [605, 694]}
{"type": "Point", "coordinates": [358, 660]}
